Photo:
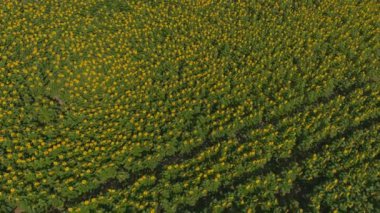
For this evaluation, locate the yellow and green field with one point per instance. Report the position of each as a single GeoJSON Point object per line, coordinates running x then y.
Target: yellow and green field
{"type": "Point", "coordinates": [189, 106]}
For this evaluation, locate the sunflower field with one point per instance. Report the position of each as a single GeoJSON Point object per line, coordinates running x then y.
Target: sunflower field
{"type": "Point", "coordinates": [189, 106]}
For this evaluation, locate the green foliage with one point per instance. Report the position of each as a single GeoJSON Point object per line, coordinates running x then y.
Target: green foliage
{"type": "Point", "coordinates": [189, 106]}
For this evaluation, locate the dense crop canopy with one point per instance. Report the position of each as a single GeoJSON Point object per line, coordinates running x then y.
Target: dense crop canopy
{"type": "Point", "coordinates": [237, 106]}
